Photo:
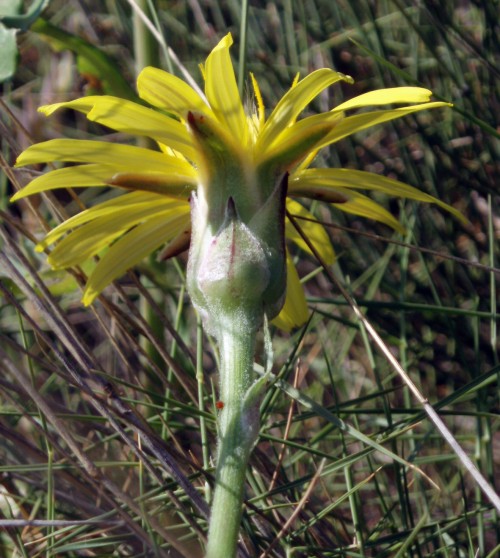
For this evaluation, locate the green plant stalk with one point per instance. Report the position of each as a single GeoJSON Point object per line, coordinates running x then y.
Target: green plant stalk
{"type": "Point", "coordinates": [243, 47]}
{"type": "Point", "coordinates": [236, 278]}
{"type": "Point", "coordinates": [145, 45]}
{"type": "Point", "coordinates": [238, 430]}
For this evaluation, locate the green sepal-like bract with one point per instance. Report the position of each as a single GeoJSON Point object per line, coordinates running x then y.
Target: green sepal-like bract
{"type": "Point", "coordinates": [237, 259]}
{"type": "Point", "coordinates": [230, 273]}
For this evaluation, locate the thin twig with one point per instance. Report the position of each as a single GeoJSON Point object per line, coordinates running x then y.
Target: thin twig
{"type": "Point", "coordinates": [4, 523]}
{"type": "Point", "coordinates": [289, 421]}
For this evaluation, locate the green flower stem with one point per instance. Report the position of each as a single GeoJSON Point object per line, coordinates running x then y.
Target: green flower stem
{"type": "Point", "coordinates": [238, 430]}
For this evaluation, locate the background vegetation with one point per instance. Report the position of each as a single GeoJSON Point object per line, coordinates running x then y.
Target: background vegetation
{"type": "Point", "coordinates": [108, 413]}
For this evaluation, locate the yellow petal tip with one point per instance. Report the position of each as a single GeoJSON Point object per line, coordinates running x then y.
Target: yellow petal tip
{"type": "Point", "coordinates": [47, 110]}
{"type": "Point", "coordinates": [225, 42]}
{"type": "Point", "coordinates": [19, 163]}
{"type": "Point", "coordinates": [348, 79]}
{"type": "Point", "coordinates": [88, 297]}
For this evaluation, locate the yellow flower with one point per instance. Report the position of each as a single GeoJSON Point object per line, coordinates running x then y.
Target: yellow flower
{"type": "Point", "coordinates": [209, 144]}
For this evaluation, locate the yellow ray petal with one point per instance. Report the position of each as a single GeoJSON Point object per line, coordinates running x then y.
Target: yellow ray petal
{"type": "Point", "coordinates": [318, 181]}
{"type": "Point", "coordinates": [98, 233]}
{"type": "Point", "coordinates": [352, 202]}
{"type": "Point", "coordinates": [294, 312]}
{"type": "Point", "coordinates": [222, 91]}
{"type": "Point", "coordinates": [296, 142]}
{"type": "Point", "coordinates": [295, 101]}
{"type": "Point", "coordinates": [123, 205]}
{"type": "Point", "coordinates": [169, 92]}
{"type": "Point", "coordinates": [362, 206]}
{"type": "Point", "coordinates": [84, 104]}
{"type": "Point", "coordinates": [90, 151]}
{"type": "Point", "coordinates": [167, 183]}
{"type": "Point", "coordinates": [314, 232]}
{"type": "Point", "coordinates": [131, 249]}
{"type": "Point", "coordinates": [131, 118]}
{"type": "Point", "coordinates": [389, 96]}
{"type": "Point", "coordinates": [358, 122]}
{"type": "Point", "coordinates": [71, 177]}
{"type": "Point", "coordinates": [260, 103]}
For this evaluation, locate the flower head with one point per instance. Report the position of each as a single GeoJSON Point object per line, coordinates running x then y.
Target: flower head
{"type": "Point", "coordinates": [236, 168]}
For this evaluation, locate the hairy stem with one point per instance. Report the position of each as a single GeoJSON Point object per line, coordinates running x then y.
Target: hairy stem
{"type": "Point", "coordinates": [238, 430]}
